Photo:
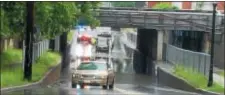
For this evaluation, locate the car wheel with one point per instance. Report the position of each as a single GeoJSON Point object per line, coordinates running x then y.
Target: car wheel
{"type": "Point", "coordinates": [105, 86]}
{"type": "Point", "coordinates": [74, 85]}
{"type": "Point", "coordinates": [111, 86]}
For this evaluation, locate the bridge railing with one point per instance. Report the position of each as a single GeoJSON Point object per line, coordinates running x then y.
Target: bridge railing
{"type": "Point", "coordinates": [160, 19]}
{"type": "Point", "coordinates": [197, 61]}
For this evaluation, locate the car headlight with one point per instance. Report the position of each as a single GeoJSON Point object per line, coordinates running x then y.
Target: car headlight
{"type": "Point", "coordinates": [76, 75]}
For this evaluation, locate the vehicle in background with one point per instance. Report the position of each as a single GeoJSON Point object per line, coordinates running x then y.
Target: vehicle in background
{"type": "Point", "coordinates": [94, 73]}
{"type": "Point", "coordinates": [105, 34]}
{"type": "Point", "coordinates": [83, 50]}
{"type": "Point", "coordinates": [102, 45]}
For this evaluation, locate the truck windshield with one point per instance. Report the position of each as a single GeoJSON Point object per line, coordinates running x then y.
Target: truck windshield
{"type": "Point", "coordinates": [92, 66]}
{"type": "Point", "coordinates": [102, 42]}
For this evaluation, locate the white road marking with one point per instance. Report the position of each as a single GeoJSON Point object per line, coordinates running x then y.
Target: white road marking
{"type": "Point", "coordinates": [128, 92]}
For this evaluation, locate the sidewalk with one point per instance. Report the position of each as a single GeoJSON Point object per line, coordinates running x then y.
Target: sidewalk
{"type": "Point", "coordinates": [169, 67]}
{"type": "Point", "coordinates": [218, 78]}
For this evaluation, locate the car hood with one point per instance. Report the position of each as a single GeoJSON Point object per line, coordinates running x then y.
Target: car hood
{"type": "Point", "coordinates": [91, 72]}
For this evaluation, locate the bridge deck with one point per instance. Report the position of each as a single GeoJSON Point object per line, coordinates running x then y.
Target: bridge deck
{"type": "Point", "coordinates": [173, 20]}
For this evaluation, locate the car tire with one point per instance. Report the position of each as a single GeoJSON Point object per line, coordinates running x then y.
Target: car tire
{"type": "Point", "coordinates": [111, 86]}
{"type": "Point", "coordinates": [105, 86]}
{"type": "Point", "coordinates": [74, 85]}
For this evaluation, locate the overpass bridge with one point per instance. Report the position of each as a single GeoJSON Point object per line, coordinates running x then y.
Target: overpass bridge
{"type": "Point", "coordinates": [159, 19]}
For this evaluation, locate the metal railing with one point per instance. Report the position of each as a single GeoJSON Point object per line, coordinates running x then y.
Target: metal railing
{"type": "Point", "coordinates": [132, 37]}
{"type": "Point", "coordinates": [159, 19]}
{"type": "Point", "coordinates": [39, 48]}
{"type": "Point", "coordinates": [197, 61]}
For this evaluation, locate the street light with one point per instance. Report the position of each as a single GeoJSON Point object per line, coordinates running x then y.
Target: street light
{"type": "Point", "coordinates": [210, 79]}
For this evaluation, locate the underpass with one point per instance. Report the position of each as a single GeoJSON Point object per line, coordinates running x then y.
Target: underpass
{"type": "Point", "coordinates": [127, 81]}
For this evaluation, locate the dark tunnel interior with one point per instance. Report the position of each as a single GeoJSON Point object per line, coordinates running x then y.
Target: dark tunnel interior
{"type": "Point", "coordinates": [146, 51]}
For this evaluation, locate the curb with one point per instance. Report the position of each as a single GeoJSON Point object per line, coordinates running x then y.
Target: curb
{"type": "Point", "coordinates": [164, 76]}
{"type": "Point", "coordinates": [38, 83]}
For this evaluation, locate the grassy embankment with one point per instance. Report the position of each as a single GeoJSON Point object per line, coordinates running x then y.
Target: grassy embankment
{"type": "Point", "coordinates": [11, 67]}
{"type": "Point", "coordinates": [221, 73]}
{"type": "Point", "coordinates": [196, 79]}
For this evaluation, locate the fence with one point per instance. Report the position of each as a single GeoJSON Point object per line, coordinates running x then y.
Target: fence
{"type": "Point", "coordinates": [197, 61]}
{"type": "Point", "coordinates": [39, 48]}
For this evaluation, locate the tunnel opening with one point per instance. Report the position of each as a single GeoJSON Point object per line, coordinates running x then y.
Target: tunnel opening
{"type": "Point", "coordinates": [146, 51]}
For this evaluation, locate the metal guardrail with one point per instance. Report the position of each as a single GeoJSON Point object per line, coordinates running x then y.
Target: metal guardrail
{"type": "Point", "coordinates": [39, 48]}
{"type": "Point", "coordinates": [151, 9]}
{"type": "Point", "coordinates": [160, 19]}
{"type": "Point", "coordinates": [199, 62]}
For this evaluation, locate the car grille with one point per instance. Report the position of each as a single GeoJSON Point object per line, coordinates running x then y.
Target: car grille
{"type": "Point", "coordinates": [88, 76]}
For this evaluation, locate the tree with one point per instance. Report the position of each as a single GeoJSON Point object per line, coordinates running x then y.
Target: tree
{"type": "Point", "coordinates": [53, 18]}
{"type": "Point", "coordinates": [165, 6]}
{"type": "Point", "coordinates": [13, 15]}
{"type": "Point", "coordinates": [199, 5]}
{"type": "Point", "coordinates": [87, 13]}
{"type": "Point", "coordinates": [123, 4]}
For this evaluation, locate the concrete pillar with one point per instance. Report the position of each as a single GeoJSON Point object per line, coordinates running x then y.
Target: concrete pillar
{"type": "Point", "coordinates": [206, 43]}
{"type": "Point", "coordinates": [159, 45]}
{"type": "Point", "coordinates": [165, 36]}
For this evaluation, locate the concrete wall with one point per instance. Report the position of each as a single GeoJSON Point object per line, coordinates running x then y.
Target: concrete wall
{"type": "Point", "coordinates": [160, 44]}
{"type": "Point", "coordinates": [218, 50]}
{"type": "Point", "coordinates": [219, 54]}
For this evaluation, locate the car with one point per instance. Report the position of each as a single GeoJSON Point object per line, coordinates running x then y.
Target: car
{"type": "Point", "coordinates": [102, 45]}
{"type": "Point", "coordinates": [105, 34]}
{"type": "Point", "coordinates": [93, 73]}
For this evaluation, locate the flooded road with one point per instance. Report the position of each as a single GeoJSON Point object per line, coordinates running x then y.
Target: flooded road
{"type": "Point", "coordinates": [126, 82]}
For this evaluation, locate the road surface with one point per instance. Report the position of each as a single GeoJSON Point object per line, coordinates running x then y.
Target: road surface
{"type": "Point", "coordinates": [126, 82]}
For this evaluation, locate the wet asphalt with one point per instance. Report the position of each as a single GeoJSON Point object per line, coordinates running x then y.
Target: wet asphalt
{"type": "Point", "coordinates": [126, 82]}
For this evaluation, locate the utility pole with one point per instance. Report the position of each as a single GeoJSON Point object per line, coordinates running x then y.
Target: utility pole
{"type": "Point", "coordinates": [29, 41]}
{"type": "Point", "coordinates": [210, 79]}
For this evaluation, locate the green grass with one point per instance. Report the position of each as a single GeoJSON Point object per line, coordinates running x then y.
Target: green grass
{"type": "Point", "coordinates": [11, 56]}
{"type": "Point", "coordinates": [196, 79]}
{"type": "Point", "coordinates": [221, 73]}
{"type": "Point", "coordinates": [14, 76]}
{"type": "Point", "coordinates": [70, 36]}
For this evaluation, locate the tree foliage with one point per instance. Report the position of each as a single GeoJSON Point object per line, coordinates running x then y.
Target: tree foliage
{"type": "Point", "coordinates": [52, 18]}
{"type": "Point", "coordinates": [165, 6]}
{"type": "Point", "coordinates": [123, 4]}
{"type": "Point", "coordinates": [12, 18]}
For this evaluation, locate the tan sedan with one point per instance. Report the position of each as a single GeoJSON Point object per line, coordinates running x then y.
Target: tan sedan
{"type": "Point", "coordinates": [94, 73]}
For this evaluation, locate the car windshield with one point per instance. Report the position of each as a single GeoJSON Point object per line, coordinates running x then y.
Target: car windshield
{"type": "Point", "coordinates": [92, 66]}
